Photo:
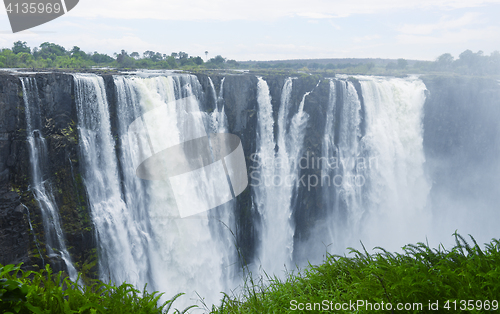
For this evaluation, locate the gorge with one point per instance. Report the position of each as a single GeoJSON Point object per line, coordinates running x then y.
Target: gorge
{"type": "Point", "coordinates": [331, 161]}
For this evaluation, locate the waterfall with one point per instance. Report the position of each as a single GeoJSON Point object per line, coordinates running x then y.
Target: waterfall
{"type": "Point", "coordinates": [102, 182]}
{"type": "Point", "coordinates": [329, 153]}
{"type": "Point", "coordinates": [276, 173]}
{"type": "Point", "coordinates": [35, 239]}
{"type": "Point", "coordinates": [377, 184]}
{"type": "Point", "coordinates": [398, 189]}
{"type": "Point", "coordinates": [222, 222]}
{"type": "Point", "coordinates": [37, 146]}
{"type": "Point", "coordinates": [142, 239]}
{"type": "Point", "coordinates": [372, 181]}
{"type": "Point", "coordinates": [219, 119]}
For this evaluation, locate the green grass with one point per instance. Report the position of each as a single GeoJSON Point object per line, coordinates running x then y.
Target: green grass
{"type": "Point", "coordinates": [45, 292]}
{"type": "Point", "coordinates": [425, 280]}
{"type": "Point", "coordinates": [418, 275]}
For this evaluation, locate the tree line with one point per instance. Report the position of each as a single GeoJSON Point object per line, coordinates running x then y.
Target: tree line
{"type": "Point", "coordinates": [50, 55]}
{"type": "Point", "coordinates": [467, 63]}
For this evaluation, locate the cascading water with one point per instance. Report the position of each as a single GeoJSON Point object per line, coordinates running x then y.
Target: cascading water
{"type": "Point", "coordinates": [141, 236]}
{"type": "Point", "coordinates": [219, 119]}
{"type": "Point", "coordinates": [35, 239]}
{"type": "Point", "coordinates": [116, 237]}
{"type": "Point", "coordinates": [377, 184]}
{"type": "Point", "coordinates": [341, 165]}
{"type": "Point", "coordinates": [398, 188]}
{"type": "Point", "coordinates": [37, 145]}
{"type": "Point", "coordinates": [222, 222]}
{"type": "Point", "coordinates": [276, 174]}
{"type": "Point", "coordinates": [371, 151]}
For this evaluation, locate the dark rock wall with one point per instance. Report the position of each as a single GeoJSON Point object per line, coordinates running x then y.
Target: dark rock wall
{"type": "Point", "coordinates": [462, 135]}
{"type": "Point", "coordinates": [14, 228]}
{"type": "Point", "coordinates": [240, 99]}
{"type": "Point", "coordinates": [58, 116]}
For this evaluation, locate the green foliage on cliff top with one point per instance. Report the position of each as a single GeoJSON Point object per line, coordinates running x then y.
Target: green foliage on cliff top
{"type": "Point", "coordinates": [418, 275]}
{"type": "Point", "coordinates": [45, 292]}
{"type": "Point", "coordinates": [53, 56]}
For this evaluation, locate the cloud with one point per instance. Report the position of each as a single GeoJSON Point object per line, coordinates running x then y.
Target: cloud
{"type": "Point", "coordinates": [226, 10]}
{"type": "Point", "coordinates": [464, 31]}
{"type": "Point", "coordinates": [462, 36]}
{"type": "Point", "coordinates": [445, 23]}
{"type": "Point", "coordinates": [365, 38]}
{"type": "Point", "coordinates": [315, 15]}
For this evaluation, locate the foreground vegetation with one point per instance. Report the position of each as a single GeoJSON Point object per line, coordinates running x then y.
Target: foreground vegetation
{"type": "Point", "coordinates": [51, 56]}
{"type": "Point", "coordinates": [46, 293]}
{"type": "Point", "coordinates": [416, 279]}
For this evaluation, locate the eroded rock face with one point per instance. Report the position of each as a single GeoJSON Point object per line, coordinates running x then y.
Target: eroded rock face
{"type": "Point", "coordinates": [58, 119]}
{"type": "Point", "coordinates": [453, 130]}
{"type": "Point", "coordinates": [14, 230]}
{"type": "Point", "coordinates": [14, 233]}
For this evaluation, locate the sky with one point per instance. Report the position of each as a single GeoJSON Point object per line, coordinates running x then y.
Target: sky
{"type": "Point", "coordinates": [273, 29]}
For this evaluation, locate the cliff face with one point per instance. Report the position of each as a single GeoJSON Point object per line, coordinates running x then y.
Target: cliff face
{"type": "Point", "coordinates": [59, 127]}
{"type": "Point", "coordinates": [14, 229]}
{"type": "Point", "coordinates": [461, 137]}
{"type": "Point", "coordinates": [58, 116]}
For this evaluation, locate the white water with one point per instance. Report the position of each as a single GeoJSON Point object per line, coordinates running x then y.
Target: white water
{"type": "Point", "coordinates": [142, 239]}
{"type": "Point", "coordinates": [277, 173]}
{"type": "Point", "coordinates": [219, 119]}
{"type": "Point", "coordinates": [348, 192]}
{"type": "Point", "coordinates": [380, 191]}
{"type": "Point", "coordinates": [394, 136]}
{"type": "Point", "coordinates": [54, 236]}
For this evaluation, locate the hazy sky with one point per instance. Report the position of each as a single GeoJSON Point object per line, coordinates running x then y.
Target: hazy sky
{"type": "Point", "coordinates": [273, 29]}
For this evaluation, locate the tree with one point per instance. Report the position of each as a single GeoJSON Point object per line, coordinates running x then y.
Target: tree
{"type": "Point", "coordinates": [63, 62]}
{"type": "Point", "coordinates": [171, 62]}
{"type": "Point", "coordinates": [402, 64]}
{"type": "Point", "coordinates": [50, 51]}
{"type": "Point", "coordinates": [10, 59]}
{"type": "Point", "coordinates": [148, 54]}
{"type": "Point", "coordinates": [206, 55]}
{"type": "Point", "coordinates": [76, 52]}
{"type": "Point", "coordinates": [20, 46]}
{"type": "Point", "coordinates": [157, 57]}
{"type": "Point", "coordinates": [182, 55]}
{"type": "Point", "coordinates": [391, 66]}
{"type": "Point", "coordinates": [25, 59]}
{"type": "Point", "coordinates": [124, 60]}
{"type": "Point", "coordinates": [135, 55]}
{"type": "Point", "coordinates": [445, 61]}
{"type": "Point", "coordinates": [198, 60]}
{"type": "Point", "coordinates": [219, 60]}
{"type": "Point", "coordinates": [153, 56]}
{"type": "Point", "coordinates": [313, 66]}
{"type": "Point", "coordinates": [101, 58]}
{"type": "Point", "coordinates": [494, 62]}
